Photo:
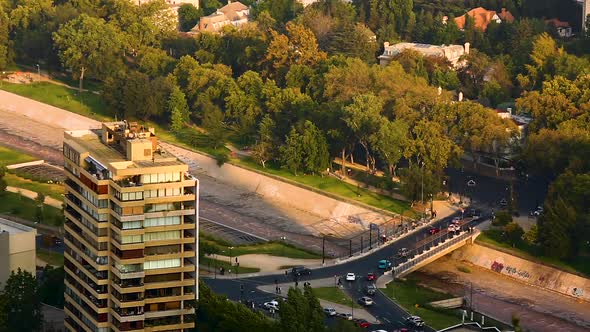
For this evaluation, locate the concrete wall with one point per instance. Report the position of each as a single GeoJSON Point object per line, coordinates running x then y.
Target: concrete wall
{"type": "Point", "coordinates": [526, 271]}
{"type": "Point", "coordinates": [285, 193]}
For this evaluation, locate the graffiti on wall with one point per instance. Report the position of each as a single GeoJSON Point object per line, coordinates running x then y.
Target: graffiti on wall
{"type": "Point", "coordinates": [577, 291]}
{"type": "Point", "coordinates": [515, 272]}
{"type": "Point", "coordinates": [497, 267]}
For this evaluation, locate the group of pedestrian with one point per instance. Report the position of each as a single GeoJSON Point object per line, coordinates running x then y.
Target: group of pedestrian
{"type": "Point", "coordinates": [278, 290]}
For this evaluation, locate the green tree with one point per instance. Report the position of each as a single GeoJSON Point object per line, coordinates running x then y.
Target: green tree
{"type": "Point", "coordinates": [301, 312]}
{"type": "Point", "coordinates": [2, 180]}
{"type": "Point", "coordinates": [52, 288]}
{"type": "Point", "coordinates": [514, 233]}
{"type": "Point", "coordinates": [188, 16]}
{"type": "Point", "coordinates": [155, 62]}
{"type": "Point", "coordinates": [178, 108]}
{"type": "Point", "coordinates": [389, 142]}
{"type": "Point", "coordinates": [502, 218]}
{"type": "Point", "coordinates": [87, 45]}
{"type": "Point", "coordinates": [291, 154]}
{"type": "Point", "coordinates": [314, 148]}
{"type": "Point", "coordinates": [265, 148]}
{"type": "Point", "coordinates": [213, 123]}
{"type": "Point", "coordinates": [4, 40]}
{"type": "Point", "coordinates": [532, 235]}
{"type": "Point", "coordinates": [363, 116]}
{"type": "Point", "coordinates": [412, 179]}
{"type": "Point", "coordinates": [23, 304]}
{"type": "Point", "coordinates": [281, 11]}
{"type": "Point", "coordinates": [138, 97]}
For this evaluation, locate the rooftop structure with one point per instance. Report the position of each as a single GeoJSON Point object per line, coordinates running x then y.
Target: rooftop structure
{"type": "Point", "coordinates": [483, 17]}
{"type": "Point", "coordinates": [17, 249]}
{"type": "Point", "coordinates": [453, 53]}
{"type": "Point", "coordinates": [234, 13]}
{"type": "Point", "coordinates": [131, 232]}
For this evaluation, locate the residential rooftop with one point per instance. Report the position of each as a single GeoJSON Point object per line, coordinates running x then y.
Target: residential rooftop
{"type": "Point", "coordinates": [12, 227]}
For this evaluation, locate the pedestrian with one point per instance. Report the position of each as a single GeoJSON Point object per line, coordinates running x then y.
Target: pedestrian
{"type": "Point", "coordinates": [296, 283]}
{"type": "Point", "coordinates": [280, 290]}
{"type": "Point", "coordinates": [276, 289]}
{"type": "Point", "coordinates": [286, 273]}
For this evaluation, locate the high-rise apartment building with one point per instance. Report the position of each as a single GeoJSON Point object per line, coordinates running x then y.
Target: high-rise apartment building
{"type": "Point", "coordinates": [131, 232]}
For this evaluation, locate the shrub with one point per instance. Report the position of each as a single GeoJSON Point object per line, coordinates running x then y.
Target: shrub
{"type": "Point", "coordinates": [463, 269]}
{"type": "Point", "coordinates": [503, 218]}
{"type": "Point", "coordinates": [514, 233]}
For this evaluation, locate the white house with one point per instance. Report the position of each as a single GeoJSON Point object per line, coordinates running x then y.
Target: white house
{"type": "Point", "coordinates": [453, 53]}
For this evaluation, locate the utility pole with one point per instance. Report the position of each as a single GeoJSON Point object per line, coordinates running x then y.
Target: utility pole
{"type": "Point", "coordinates": [361, 244]}
{"type": "Point", "coordinates": [323, 249]}
{"type": "Point", "coordinates": [423, 207]}
{"type": "Point", "coordinates": [370, 236]}
{"type": "Point", "coordinates": [237, 267]}
{"type": "Point", "coordinates": [350, 247]}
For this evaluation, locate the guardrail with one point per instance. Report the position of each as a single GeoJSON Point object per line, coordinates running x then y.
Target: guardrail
{"type": "Point", "coordinates": [398, 270]}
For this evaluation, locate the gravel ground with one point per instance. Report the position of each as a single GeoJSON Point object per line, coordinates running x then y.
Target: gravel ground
{"type": "Point", "coordinates": [499, 296]}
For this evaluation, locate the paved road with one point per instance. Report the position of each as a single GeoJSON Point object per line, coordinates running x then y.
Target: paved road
{"type": "Point", "coordinates": [385, 311]}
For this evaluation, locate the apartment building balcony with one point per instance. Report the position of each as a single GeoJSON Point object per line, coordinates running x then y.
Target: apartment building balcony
{"type": "Point", "coordinates": [129, 326]}
{"type": "Point", "coordinates": [128, 314]}
{"type": "Point", "coordinates": [128, 271]}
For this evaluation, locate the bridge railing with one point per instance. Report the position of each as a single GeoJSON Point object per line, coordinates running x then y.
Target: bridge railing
{"type": "Point", "coordinates": [431, 252]}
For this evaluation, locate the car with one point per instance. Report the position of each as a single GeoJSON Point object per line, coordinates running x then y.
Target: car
{"type": "Point", "coordinates": [538, 211]}
{"type": "Point", "coordinates": [503, 202]}
{"type": "Point", "coordinates": [384, 264]}
{"type": "Point", "coordinates": [456, 220]}
{"type": "Point", "coordinates": [403, 252]}
{"type": "Point", "coordinates": [361, 323]}
{"type": "Point", "coordinates": [453, 228]}
{"type": "Point", "coordinates": [350, 276]}
{"type": "Point", "coordinates": [474, 214]}
{"type": "Point", "coordinates": [274, 305]}
{"type": "Point", "coordinates": [471, 183]}
{"type": "Point", "coordinates": [371, 289]}
{"type": "Point", "coordinates": [415, 320]}
{"type": "Point", "coordinates": [330, 311]}
{"type": "Point", "coordinates": [300, 270]}
{"type": "Point", "coordinates": [378, 331]}
{"type": "Point", "coordinates": [366, 301]}
{"type": "Point", "coordinates": [371, 276]}
{"type": "Point", "coordinates": [344, 316]}
{"type": "Point", "coordinates": [433, 230]}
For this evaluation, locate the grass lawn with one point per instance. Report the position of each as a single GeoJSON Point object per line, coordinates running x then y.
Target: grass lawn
{"type": "Point", "coordinates": [52, 190]}
{"type": "Point", "coordinates": [9, 157]}
{"type": "Point", "coordinates": [334, 294]}
{"type": "Point", "coordinates": [334, 186]}
{"type": "Point", "coordinates": [51, 257]}
{"type": "Point", "coordinates": [413, 298]}
{"type": "Point", "coordinates": [493, 238]}
{"type": "Point", "coordinates": [215, 263]}
{"type": "Point", "coordinates": [86, 103]}
{"type": "Point", "coordinates": [22, 207]}
{"type": "Point", "coordinates": [268, 248]}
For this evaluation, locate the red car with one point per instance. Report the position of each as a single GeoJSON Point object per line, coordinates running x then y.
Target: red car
{"type": "Point", "coordinates": [362, 323]}
{"type": "Point", "coordinates": [371, 276]}
{"type": "Point", "coordinates": [433, 230]}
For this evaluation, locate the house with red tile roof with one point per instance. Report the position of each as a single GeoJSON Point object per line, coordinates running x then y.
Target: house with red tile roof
{"type": "Point", "coordinates": [234, 13]}
{"type": "Point", "coordinates": [564, 29]}
{"type": "Point", "coordinates": [483, 17]}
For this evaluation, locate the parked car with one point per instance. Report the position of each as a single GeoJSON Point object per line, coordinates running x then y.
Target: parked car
{"type": "Point", "coordinates": [371, 289]}
{"type": "Point", "coordinates": [415, 320]}
{"type": "Point", "coordinates": [384, 264]}
{"type": "Point", "coordinates": [300, 270]}
{"type": "Point", "coordinates": [503, 202]}
{"type": "Point", "coordinates": [471, 183]}
{"type": "Point", "coordinates": [371, 276]}
{"type": "Point", "coordinates": [433, 230]}
{"type": "Point", "coordinates": [350, 276]}
{"type": "Point", "coordinates": [538, 211]}
{"type": "Point", "coordinates": [344, 316]}
{"type": "Point", "coordinates": [361, 323]}
{"type": "Point", "coordinates": [456, 220]}
{"type": "Point", "coordinates": [366, 301]}
{"type": "Point", "coordinates": [330, 311]}
{"type": "Point", "coordinates": [403, 252]}
{"type": "Point", "coordinates": [453, 228]}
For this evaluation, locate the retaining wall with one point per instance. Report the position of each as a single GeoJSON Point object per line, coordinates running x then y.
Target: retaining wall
{"type": "Point", "coordinates": [526, 271]}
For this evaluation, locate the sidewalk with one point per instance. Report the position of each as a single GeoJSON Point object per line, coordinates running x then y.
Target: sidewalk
{"type": "Point", "coordinates": [32, 195]}
{"type": "Point", "coordinates": [327, 282]}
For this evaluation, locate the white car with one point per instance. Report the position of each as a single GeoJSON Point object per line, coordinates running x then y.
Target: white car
{"type": "Point", "coordinates": [274, 304]}
{"type": "Point", "coordinates": [350, 277]}
{"type": "Point", "coordinates": [453, 228]}
{"type": "Point", "coordinates": [415, 320]}
{"type": "Point", "coordinates": [330, 311]}
{"type": "Point", "coordinates": [471, 183]}
{"type": "Point", "coordinates": [538, 211]}
{"type": "Point", "coordinates": [366, 301]}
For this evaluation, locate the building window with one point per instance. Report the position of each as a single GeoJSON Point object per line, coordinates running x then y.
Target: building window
{"type": "Point", "coordinates": [162, 221]}
{"type": "Point", "coordinates": [162, 264]}
{"type": "Point", "coordinates": [162, 236]}
{"type": "Point", "coordinates": [71, 154]}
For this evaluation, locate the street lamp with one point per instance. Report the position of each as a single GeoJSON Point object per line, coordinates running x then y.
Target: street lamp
{"type": "Point", "coordinates": [431, 206]}
{"type": "Point", "coordinates": [423, 208]}
{"type": "Point", "coordinates": [323, 249]}
{"type": "Point", "coordinates": [39, 71]}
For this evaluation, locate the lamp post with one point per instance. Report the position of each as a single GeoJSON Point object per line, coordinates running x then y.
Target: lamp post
{"type": "Point", "coordinates": [237, 267]}
{"type": "Point", "coordinates": [323, 249]}
{"type": "Point", "coordinates": [39, 71]}
{"type": "Point", "coordinates": [423, 208]}
{"type": "Point", "coordinates": [431, 206]}
{"type": "Point", "coordinates": [230, 248]}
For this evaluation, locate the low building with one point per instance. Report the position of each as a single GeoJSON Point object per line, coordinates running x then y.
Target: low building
{"type": "Point", "coordinates": [483, 17]}
{"type": "Point", "coordinates": [17, 249]}
{"type": "Point", "coordinates": [564, 30]}
{"type": "Point", "coordinates": [453, 53]}
{"type": "Point", "coordinates": [234, 13]}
